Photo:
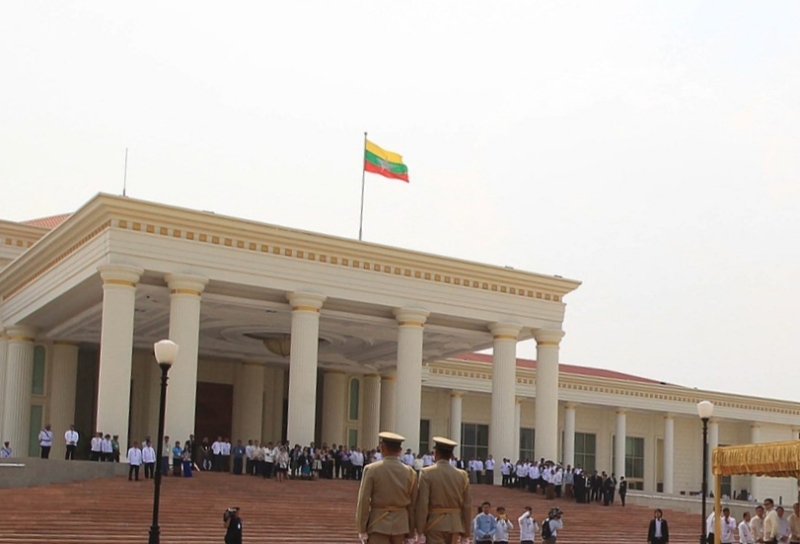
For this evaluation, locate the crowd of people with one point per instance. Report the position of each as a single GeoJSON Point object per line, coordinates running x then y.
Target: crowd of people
{"type": "Point", "coordinates": [769, 524]}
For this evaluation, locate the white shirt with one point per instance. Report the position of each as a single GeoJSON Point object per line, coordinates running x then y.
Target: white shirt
{"type": "Point", "coordinates": [503, 528]}
{"type": "Point", "coordinates": [226, 448]}
{"type": "Point", "coordinates": [71, 437]}
{"type": "Point", "coordinates": [659, 532]}
{"type": "Point", "coordinates": [522, 471]}
{"type": "Point", "coordinates": [249, 451]}
{"type": "Point", "coordinates": [784, 530]}
{"type": "Point", "coordinates": [378, 456]}
{"type": "Point", "coordinates": [534, 472]}
{"type": "Point", "coordinates": [106, 446]}
{"type": "Point", "coordinates": [216, 448]}
{"type": "Point", "coordinates": [5, 452]}
{"type": "Point", "coordinates": [505, 469]}
{"type": "Point", "coordinates": [357, 459]}
{"type": "Point", "coordinates": [427, 460]}
{"type": "Point", "coordinates": [757, 528]}
{"type": "Point", "coordinates": [745, 534]}
{"type": "Point", "coordinates": [728, 529]}
{"type": "Point", "coordinates": [478, 465]}
{"type": "Point", "coordinates": [408, 459]}
{"type": "Point", "coordinates": [558, 478]}
{"type": "Point", "coordinates": [148, 454]}
{"type": "Point", "coordinates": [527, 527]}
{"type": "Point", "coordinates": [489, 464]}
{"type": "Point", "coordinates": [269, 455]}
{"type": "Point", "coordinates": [45, 438]}
{"type": "Point", "coordinates": [555, 525]}
{"type": "Point", "coordinates": [135, 456]}
{"type": "Point", "coordinates": [96, 443]}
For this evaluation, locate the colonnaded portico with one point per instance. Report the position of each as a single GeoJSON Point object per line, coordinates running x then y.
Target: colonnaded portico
{"type": "Point", "coordinates": [264, 309]}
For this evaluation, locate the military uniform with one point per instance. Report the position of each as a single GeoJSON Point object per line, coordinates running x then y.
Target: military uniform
{"type": "Point", "coordinates": [385, 510]}
{"type": "Point", "coordinates": [443, 511]}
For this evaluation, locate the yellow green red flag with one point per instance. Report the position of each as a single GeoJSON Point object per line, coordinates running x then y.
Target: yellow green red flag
{"type": "Point", "coordinates": [386, 163]}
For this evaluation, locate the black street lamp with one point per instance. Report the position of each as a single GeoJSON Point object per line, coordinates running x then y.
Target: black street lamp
{"type": "Point", "coordinates": [166, 353]}
{"type": "Point", "coordinates": [705, 410]}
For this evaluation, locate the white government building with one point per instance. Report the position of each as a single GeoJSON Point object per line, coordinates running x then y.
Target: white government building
{"type": "Point", "coordinates": [286, 334]}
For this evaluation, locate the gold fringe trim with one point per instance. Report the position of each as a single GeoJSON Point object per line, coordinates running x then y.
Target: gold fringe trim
{"type": "Point", "coordinates": [775, 459]}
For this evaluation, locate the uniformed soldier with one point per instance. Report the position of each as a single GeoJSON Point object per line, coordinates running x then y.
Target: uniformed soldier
{"type": "Point", "coordinates": [385, 510]}
{"type": "Point", "coordinates": [443, 503]}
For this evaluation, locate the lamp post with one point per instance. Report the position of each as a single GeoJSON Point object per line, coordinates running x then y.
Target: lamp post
{"type": "Point", "coordinates": [705, 410]}
{"type": "Point", "coordinates": [166, 354]}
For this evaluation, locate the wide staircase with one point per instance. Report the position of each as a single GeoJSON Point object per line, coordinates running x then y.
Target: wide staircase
{"type": "Point", "coordinates": [118, 511]}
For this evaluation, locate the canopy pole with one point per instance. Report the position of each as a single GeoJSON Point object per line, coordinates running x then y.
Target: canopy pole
{"type": "Point", "coordinates": [717, 508]}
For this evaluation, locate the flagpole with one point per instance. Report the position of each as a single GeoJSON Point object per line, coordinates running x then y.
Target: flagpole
{"type": "Point", "coordinates": [363, 174]}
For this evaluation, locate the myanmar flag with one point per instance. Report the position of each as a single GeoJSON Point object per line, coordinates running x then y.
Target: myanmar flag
{"type": "Point", "coordinates": [385, 163]}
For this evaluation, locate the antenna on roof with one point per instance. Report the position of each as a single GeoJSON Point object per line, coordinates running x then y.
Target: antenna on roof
{"type": "Point", "coordinates": [125, 175]}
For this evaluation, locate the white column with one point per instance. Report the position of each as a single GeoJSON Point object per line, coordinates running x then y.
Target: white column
{"type": "Point", "coordinates": [249, 396]}
{"type": "Point", "coordinates": [17, 397]}
{"type": "Point", "coordinates": [456, 404]}
{"type": "Point", "coordinates": [569, 435]}
{"type": "Point", "coordinates": [278, 398]}
{"type": "Point", "coordinates": [410, 332]}
{"type": "Point", "coordinates": [713, 442]}
{"type": "Point", "coordinates": [334, 405]}
{"type": "Point", "coordinates": [388, 382]}
{"type": "Point", "coordinates": [184, 330]}
{"type": "Point", "coordinates": [669, 454]}
{"type": "Point", "coordinates": [755, 438]}
{"type": "Point", "coordinates": [3, 365]}
{"type": "Point", "coordinates": [504, 386]}
{"type": "Point", "coordinates": [371, 413]}
{"type": "Point", "coordinates": [116, 351]}
{"type": "Point", "coordinates": [620, 432]}
{"type": "Point", "coordinates": [303, 367]}
{"type": "Point", "coordinates": [547, 341]}
{"type": "Point", "coordinates": [62, 396]}
{"type": "Point", "coordinates": [517, 426]}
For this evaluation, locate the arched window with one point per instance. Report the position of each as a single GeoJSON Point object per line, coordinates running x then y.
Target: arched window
{"type": "Point", "coordinates": [355, 389]}
{"type": "Point", "coordinates": [37, 384]}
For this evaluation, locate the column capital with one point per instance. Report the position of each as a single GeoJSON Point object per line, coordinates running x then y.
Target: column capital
{"type": "Point", "coordinates": [713, 421]}
{"type": "Point", "coordinates": [456, 394]}
{"type": "Point", "coordinates": [570, 406]}
{"type": "Point", "coordinates": [548, 337]}
{"type": "Point", "coordinates": [21, 333]}
{"type": "Point", "coordinates": [669, 416]}
{"type": "Point", "coordinates": [389, 377]}
{"type": "Point", "coordinates": [411, 317]}
{"type": "Point", "coordinates": [518, 400]}
{"type": "Point", "coordinates": [505, 331]}
{"type": "Point", "coordinates": [120, 275]}
{"type": "Point", "coordinates": [621, 411]}
{"type": "Point", "coordinates": [186, 284]}
{"type": "Point", "coordinates": [756, 425]}
{"type": "Point", "coordinates": [306, 302]}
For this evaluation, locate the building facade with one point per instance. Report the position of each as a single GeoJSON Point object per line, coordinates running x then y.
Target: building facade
{"type": "Point", "coordinates": [290, 335]}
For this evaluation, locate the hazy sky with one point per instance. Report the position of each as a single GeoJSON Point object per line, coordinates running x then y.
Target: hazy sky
{"type": "Point", "coordinates": [649, 149]}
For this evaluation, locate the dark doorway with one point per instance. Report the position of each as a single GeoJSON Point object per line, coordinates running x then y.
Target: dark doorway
{"type": "Point", "coordinates": [214, 411]}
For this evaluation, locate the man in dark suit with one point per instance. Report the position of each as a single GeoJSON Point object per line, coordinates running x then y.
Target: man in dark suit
{"type": "Point", "coordinates": [658, 533]}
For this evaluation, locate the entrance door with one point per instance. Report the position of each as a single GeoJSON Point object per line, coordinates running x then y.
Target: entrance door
{"type": "Point", "coordinates": [213, 415]}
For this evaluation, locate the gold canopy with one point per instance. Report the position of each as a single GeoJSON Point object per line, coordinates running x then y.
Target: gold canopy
{"type": "Point", "coordinates": [775, 459]}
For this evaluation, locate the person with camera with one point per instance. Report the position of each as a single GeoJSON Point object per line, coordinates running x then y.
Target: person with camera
{"type": "Point", "coordinates": [552, 525]}
{"type": "Point", "coordinates": [233, 526]}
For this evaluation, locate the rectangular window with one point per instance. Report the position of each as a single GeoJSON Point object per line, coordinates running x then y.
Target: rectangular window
{"type": "Point", "coordinates": [352, 438]}
{"type": "Point", "coordinates": [37, 413]}
{"type": "Point", "coordinates": [527, 440]}
{"type": "Point", "coordinates": [37, 385]}
{"type": "Point", "coordinates": [424, 435]}
{"type": "Point", "coordinates": [586, 451]}
{"type": "Point", "coordinates": [634, 462]}
{"type": "Point", "coordinates": [474, 441]}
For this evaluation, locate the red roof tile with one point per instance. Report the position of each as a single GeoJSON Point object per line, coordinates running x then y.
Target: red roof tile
{"type": "Point", "coordinates": [50, 222]}
{"type": "Point", "coordinates": [567, 369]}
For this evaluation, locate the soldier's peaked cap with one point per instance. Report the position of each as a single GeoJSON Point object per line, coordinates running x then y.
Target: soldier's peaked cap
{"type": "Point", "coordinates": [443, 443]}
{"type": "Point", "coordinates": [391, 439]}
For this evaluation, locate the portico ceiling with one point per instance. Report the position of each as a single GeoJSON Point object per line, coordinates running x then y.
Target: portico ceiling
{"type": "Point", "coordinates": [353, 337]}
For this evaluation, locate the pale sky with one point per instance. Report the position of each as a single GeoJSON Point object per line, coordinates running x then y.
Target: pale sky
{"type": "Point", "coordinates": [649, 149]}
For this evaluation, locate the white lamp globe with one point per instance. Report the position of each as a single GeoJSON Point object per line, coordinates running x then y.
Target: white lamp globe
{"type": "Point", "coordinates": [705, 409]}
{"type": "Point", "coordinates": [166, 352]}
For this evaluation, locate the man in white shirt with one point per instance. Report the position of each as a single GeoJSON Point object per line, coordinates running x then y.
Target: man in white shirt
{"type": "Point", "coordinates": [504, 526]}
{"type": "Point", "coordinates": [96, 447]}
{"type": "Point", "coordinates": [527, 527]}
{"type": "Point", "coordinates": [488, 466]}
{"type": "Point", "coordinates": [408, 458]}
{"type": "Point", "coordinates": [149, 460]}
{"type": "Point", "coordinates": [216, 452]}
{"type": "Point", "coordinates": [71, 439]}
{"type": "Point", "coordinates": [269, 460]}
{"type": "Point", "coordinates": [134, 460]}
{"type": "Point", "coordinates": [106, 449]}
{"type": "Point", "coordinates": [226, 455]}
{"type": "Point", "coordinates": [5, 451]}
{"type": "Point", "coordinates": [479, 471]}
{"type": "Point", "coordinates": [534, 476]}
{"type": "Point", "coordinates": [249, 456]}
{"type": "Point", "coordinates": [745, 532]}
{"type": "Point", "coordinates": [757, 525]}
{"type": "Point", "coordinates": [505, 473]}
{"type": "Point", "coordinates": [427, 460]}
{"type": "Point", "coordinates": [558, 480]}
{"type": "Point", "coordinates": [357, 462]}
{"type": "Point", "coordinates": [522, 474]}
{"type": "Point", "coordinates": [46, 441]}
{"type": "Point", "coordinates": [784, 531]}
{"type": "Point", "coordinates": [727, 526]}
{"type": "Point", "coordinates": [770, 521]}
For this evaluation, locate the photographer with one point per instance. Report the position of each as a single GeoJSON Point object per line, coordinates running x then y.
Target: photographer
{"type": "Point", "coordinates": [551, 526]}
{"type": "Point", "coordinates": [233, 526]}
